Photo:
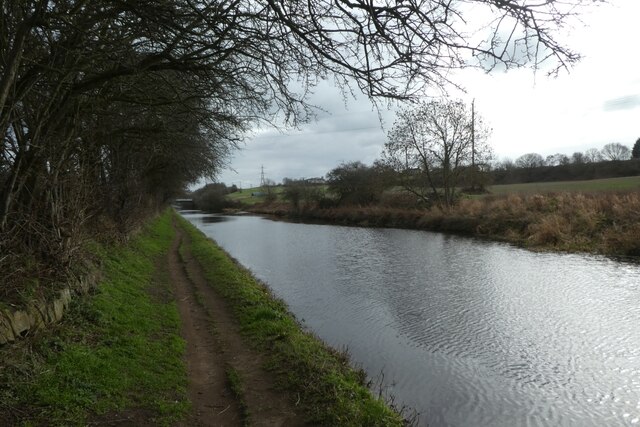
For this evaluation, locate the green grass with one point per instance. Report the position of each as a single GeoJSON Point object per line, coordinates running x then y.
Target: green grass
{"type": "Point", "coordinates": [244, 196]}
{"type": "Point", "coordinates": [236, 384]}
{"type": "Point", "coordinates": [609, 184]}
{"type": "Point", "coordinates": [330, 391]}
{"type": "Point", "coordinates": [118, 350]}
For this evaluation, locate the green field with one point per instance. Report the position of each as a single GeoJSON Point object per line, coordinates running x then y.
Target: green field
{"type": "Point", "coordinates": [609, 184]}
{"type": "Point", "coordinates": [629, 183]}
{"type": "Point", "coordinates": [244, 196]}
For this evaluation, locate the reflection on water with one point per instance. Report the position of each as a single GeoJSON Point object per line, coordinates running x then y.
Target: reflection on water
{"type": "Point", "coordinates": [466, 332]}
{"type": "Point", "coordinates": [210, 219]}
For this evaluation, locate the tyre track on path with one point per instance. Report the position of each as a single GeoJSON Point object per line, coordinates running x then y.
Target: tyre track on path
{"type": "Point", "coordinates": [215, 346]}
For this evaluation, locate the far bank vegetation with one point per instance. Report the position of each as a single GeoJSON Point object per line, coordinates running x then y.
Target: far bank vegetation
{"type": "Point", "coordinates": [590, 222]}
{"type": "Point", "coordinates": [436, 174]}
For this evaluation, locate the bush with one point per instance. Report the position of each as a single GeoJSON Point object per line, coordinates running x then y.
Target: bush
{"type": "Point", "coordinates": [356, 183]}
{"type": "Point", "coordinates": [211, 198]}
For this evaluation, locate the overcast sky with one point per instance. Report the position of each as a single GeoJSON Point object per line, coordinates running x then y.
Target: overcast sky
{"type": "Point", "coordinates": [596, 103]}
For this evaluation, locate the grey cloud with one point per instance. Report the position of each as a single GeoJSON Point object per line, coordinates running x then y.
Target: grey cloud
{"type": "Point", "coordinates": [304, 154]}
{"type": "Point", "coordinates": [627, 102]}
{"type": "Point", "coordinates": [340, 134]}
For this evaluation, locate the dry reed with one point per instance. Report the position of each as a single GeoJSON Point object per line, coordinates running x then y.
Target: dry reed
{"type": "Point", "coordinates": [606, 223]}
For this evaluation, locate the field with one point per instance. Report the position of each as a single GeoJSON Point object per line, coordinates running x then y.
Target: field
{"type": "Point", "coordinates": [608, 184]}
{"type": "Point", "coordinates": [595, 185]}
{"type": "Point", "coordinates": [245, 197]}
{"type": "Point", "coordinates": [623, 184]}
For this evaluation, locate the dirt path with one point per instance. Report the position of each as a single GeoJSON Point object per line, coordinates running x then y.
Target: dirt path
{"type": "Point", "coordinates": [214, 348]}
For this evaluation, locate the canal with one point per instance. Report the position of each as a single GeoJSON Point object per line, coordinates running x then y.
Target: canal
{"type": "Point", "coordinates": [466, 332]}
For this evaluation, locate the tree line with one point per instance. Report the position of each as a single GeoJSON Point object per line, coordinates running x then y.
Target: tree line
{"type": "Point", "coordinates": [611, 161]}
{"type": "Point", "coordinates": [355, 183]}
{"type": "Point", "coordinates": [436, 151]}
{"type": "Point", "coordinates": [611, 151]}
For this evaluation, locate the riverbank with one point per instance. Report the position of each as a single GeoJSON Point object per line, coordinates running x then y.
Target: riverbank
{"type": "Point", "coordinates": [604, 223]}
{"type": "Point", "coordinates": [158, 344]}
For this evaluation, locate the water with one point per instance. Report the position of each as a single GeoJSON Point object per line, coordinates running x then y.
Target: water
{"type": "Point", "coordinates": [465, 332]}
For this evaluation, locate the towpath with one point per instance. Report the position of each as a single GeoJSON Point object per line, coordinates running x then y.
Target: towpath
{"type": "Point", "coordinates": [228, 385]}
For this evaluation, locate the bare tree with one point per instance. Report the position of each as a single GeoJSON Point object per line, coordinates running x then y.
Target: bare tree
{"type": "Point", "coordinates": [578, 158]}
{"type": "Point", "coordinates": [381, 44]}
{"type": "Point", "coordinates": [108, 108]}
{"type": "Point", "coordinates": [431, 144]}
{"type": "Point", "coordinates": [592, 155]}
{"type": "Point", "coordinates": [529, 161]}
{"type": "Point", "coordinates": [615, 151]}
{"type": "Point", "coordinates": [505, 165]}
{"type": "Point", "coordinates": [557, 159]}
{"type": "Point", "coordinates": [248, 53]}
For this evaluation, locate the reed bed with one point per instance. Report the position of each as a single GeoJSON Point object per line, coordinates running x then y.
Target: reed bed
{"type": "Point", "coordinates": [607, 223]}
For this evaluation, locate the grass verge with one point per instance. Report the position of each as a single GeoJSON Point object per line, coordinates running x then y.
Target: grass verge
{"type": "Point", "coordinates": [330, 391]}
{"type": "Point", "coordinates": [118, 351]}
{"type": "Point", "coordinates": [236, 385]}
